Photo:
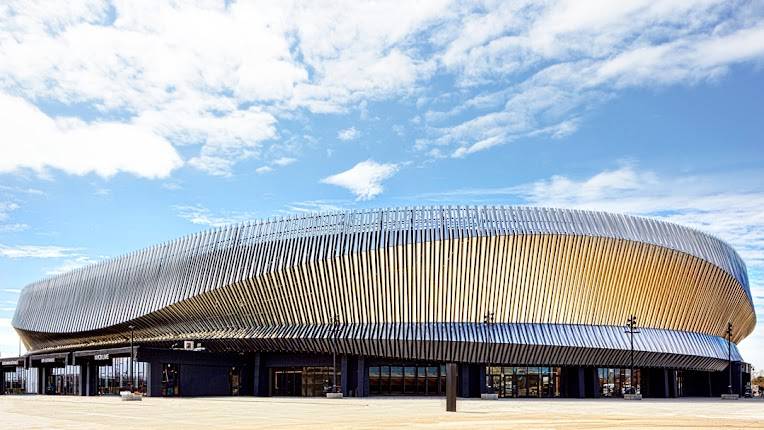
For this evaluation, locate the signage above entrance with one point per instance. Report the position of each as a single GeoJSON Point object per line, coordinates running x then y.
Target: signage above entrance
{"type": "Point", "coordinates": [10, 363]}
{"type": "Point", "coordinates": [48, 360]}
{"type": "Point", "coordinates": [100, 357]}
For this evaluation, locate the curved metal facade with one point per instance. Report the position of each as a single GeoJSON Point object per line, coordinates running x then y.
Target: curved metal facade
{"type": "Point", "coordinates": [415, 283]}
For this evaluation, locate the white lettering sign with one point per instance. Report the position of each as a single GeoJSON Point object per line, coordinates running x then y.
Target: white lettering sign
{"type": "Point", "coordinates": [48, 360]}
{"type": "Point", "coordinates": [102, 356]}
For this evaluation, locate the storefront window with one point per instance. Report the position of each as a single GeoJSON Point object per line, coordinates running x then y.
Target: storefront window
{"type": "Point", "coordinates": [15, 382]}
{"type": "Point", "coordinates": [302, 381]}
{"type": "Point", "coordinates": [615, 382]}
{"type": "Point", "coordinates": [524, 381]}
{"type": "Point", "coordinates": [115, 377]}
{"type": "Point", "coordinates": [407, 380]}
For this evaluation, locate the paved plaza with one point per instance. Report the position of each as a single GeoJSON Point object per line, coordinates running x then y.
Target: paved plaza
{"type": "Point", "coordinates": [37, 412]}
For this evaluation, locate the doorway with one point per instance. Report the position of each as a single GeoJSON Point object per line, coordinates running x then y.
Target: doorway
{"type": "Point", "coordinates": [234, 378]}
{"type": "Point", "coordinates": [287, 382]}
{"type": "Point", "coordinates": [170, 380]}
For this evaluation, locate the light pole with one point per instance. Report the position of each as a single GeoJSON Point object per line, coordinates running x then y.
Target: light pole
{"type": "Point", "coordinates": [335, 329]}
{"type": "Point", "coordinates": [631, 329]}
{"type": "Point", "coordinates": [729, 356]}
{"type": "Point", "coordinates": [488, 320]}
{"type": "Point", "coordinates": [132, 332]}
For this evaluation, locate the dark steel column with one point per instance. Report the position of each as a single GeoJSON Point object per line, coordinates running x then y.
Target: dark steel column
{"type": "Point", "coordinates": [131, 384]}
{"type": "Point", "coordinates": [729, 356]}
{"type": "Point", "coordinates": [362, 388]}
{"type": "Point", "coordinates": [452, 385]}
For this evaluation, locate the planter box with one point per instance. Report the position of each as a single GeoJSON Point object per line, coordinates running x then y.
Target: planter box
{"type": "Point", "coordinates": [130, 397]}
{"type": "Point", "coordinates": [632, 397]}
{"type": "Point", "coordinates": [489, 396]}
{"type": "Point", "coordinates": [730, 396]}
{"type": "Point", "coordinates": [333, 395]}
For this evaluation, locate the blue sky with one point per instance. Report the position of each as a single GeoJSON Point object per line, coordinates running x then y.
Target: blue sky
{"type": "Point", "coordinates": [123, 124]}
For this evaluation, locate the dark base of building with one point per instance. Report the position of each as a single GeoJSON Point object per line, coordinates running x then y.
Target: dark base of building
{"type": "Point", "coordinates": [169, 372]}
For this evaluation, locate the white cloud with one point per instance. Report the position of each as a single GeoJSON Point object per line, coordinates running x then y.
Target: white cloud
{"type": "Point", "coordinates": [563, 58]}
{"type": "Point", "coordinates": [197, 214]}
{"type": "Point", "coordinates": [13, 228]}
{"type": "Point", "coordinates": [36, 251]}
{"type": "Point", "coordinates": [348, 134]}
{"type": "Point", "coordinates": [6, 208]}
{"type": "Point", "coordinates": [263, 169]}
{"type": "Point", "coordinates": [73, 263]}
{"type": "Point", "coordinates": [315, 206]}
{"type": "Point", "coordinates": [32, 140]}
{"type": "Point", "coordinates": [9, 339]}
{"type": "Point", "coordinates": [219, 76]}
{"type": "Point", "coordinates": [172, 186]}
{"type": "Point", "coordinates": [12, 290]}
{"type": "Point", "coordinates": [214, 75]}
{"type": "Point", "coordinates": [364, 179]}
{"type": "Point", "coordinates": [284, 161]}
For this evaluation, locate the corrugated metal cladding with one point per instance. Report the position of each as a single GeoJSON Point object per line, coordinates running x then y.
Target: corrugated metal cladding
{"type": "Point", "coordinates": [414, 282]}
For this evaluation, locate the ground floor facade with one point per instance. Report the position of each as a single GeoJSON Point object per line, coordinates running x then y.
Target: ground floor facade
{"type": "Point", "coordinates": [171, 372]}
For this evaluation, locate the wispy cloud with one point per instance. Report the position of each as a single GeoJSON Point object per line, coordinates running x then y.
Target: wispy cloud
{"type": "Point", "coordinates": [284, 161]}
{"type": "Point", "coordinates": [22, 190]}
{"type": "Point", "coordinates": [155, 78]}
{"type": "Point", "coordinates": [348, 134]}
{"type": "Point", "coordinates": [728, 210]}
{"type": "Point", "coordinates": [37, 251]}
{"type": "Point", "coordinates": [9, 340]}
{"type": "Point", "coordinates": [564, 58]}
{"type": "Point", "coordinates": [158, 77]}
{"type": "Point", "coordinates": [314, 206]}
{"type": "Point", "coordinates": [364, 179]}
{"type": "Point", "coordinates": [74, 263]}
{"type": "Point", "coordinates": [13, 228]}
{"type": "Point", "coordinates": [12, 290]}
{"type": "Point", "coordinates": [172, 186]}
{"type": "Point", "coordinates": [6, 208]}
{"type": "Point", "coordinates": [263, 169]}
{"type": "Point", "coordinates": [197, 214]}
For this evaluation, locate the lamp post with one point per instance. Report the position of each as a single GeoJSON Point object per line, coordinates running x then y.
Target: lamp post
{"type": "Point", "coordinates": [729, 356]}
{"type": "Point", "coordinates": [335, 329]}
{"type": "Point", "coordinates": [488, 320]}
{"type": "Point", "coordinates": [132, 332]}
{"type": "Point", "coordinates": [631, 330]}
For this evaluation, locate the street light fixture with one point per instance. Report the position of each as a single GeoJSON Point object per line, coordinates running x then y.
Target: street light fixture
{"type": "Point", "coordinates": [631, 330]}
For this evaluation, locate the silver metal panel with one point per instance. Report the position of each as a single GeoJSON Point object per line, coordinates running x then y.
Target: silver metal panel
{"type": "Point", "coordinates": [410, 276]}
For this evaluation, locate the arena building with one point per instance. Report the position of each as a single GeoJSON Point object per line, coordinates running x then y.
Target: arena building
{"type": "Point", "coordinates": [529, 302]}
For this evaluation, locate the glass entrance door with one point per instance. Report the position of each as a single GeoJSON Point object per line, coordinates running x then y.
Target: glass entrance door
{"type": "Point", "coordinates": [510, 388]}
{"type": "Point", "coordinates": [287, 382]}
{"type": "Point", "coordinates": [234, 378]}
{"type": "Point", "coordinates": [170, 380]}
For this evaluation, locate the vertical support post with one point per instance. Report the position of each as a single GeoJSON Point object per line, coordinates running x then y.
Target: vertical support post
{"type": "Point", "coordinates": [335, 328]}
{"type": "Point", "coordinates": [132, 359]}
{"type": "Point", "coordinates": [488, 320]}
{"type": "Point", "coordinates": [362, 377]}
{"type": "Point", "coordinates": [729, 356]}
{"type": "Point", "coordinates": [452, 382]}
{"type": "Point", "coordinates": [256, 376]}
